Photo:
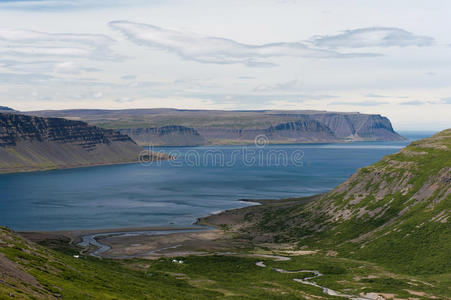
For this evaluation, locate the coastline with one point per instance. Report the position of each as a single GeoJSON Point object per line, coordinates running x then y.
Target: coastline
{"type": "Point", "coordinates": [208, 232]}
{"type": "Point", "coordinates": [161, 156]}
{"type": "Point", "coordinates": [278, 142]}
{"type": "Point", "coordinates": [76, 235]}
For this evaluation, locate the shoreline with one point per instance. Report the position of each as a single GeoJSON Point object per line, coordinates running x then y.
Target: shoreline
{"type": "Point", "coordinates": [76, 235]}
{"type": "Point", "coordinates": [195, 225]}
{"type": "Point", "coordinates": [278, 142]}
{"type": "Point", "coordinates": [207, 232]}
{"type": "Point", "coordinates": [161, 156]}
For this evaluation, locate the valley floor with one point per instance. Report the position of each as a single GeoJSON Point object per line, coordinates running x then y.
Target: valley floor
{"type": "Point", "coordinates": [233, 260]}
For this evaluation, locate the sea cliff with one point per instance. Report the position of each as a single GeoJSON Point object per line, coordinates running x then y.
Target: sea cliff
{"type": "Point", "coordinates": [29, 143]}
{"type": "Point", "coordinates": [173, 127]}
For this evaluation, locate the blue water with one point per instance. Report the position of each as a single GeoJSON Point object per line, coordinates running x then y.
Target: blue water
{"type": "Point", "coordinates": [202, 180]}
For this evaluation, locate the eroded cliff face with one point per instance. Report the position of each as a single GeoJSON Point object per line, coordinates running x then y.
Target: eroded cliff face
{"type": "Point", "coordinates": [165, 136]}
{"type": "Point", "coordinates": [358, 126]}
{"type": "Point", "coordinates": [282, 128]}
{"type": "Point", "coordinates": [299, 131]}
{"type": "Point", "coordinates": [174, 127]}
{"type": "Point", "coordinates": [16, 128]}
{"type": "Point", "coordinates": [316, 128]}
{"type": "Point", "coordinates": [33, 143]}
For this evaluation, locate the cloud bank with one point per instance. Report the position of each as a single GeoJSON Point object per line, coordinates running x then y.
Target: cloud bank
{"type": "Point", "coordinates": [360, 103]}
{"type": "Point", "coordinates": [28, 43]}
{"type": "Point", "coordinates": [64, 5]}
{"type": "Point", "coordinates": [218, 50]}
{"type": "Point", "coordinates": [372, 37]}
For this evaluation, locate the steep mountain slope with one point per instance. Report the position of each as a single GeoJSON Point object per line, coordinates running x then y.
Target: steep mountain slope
{"type": "Point", "coordinates": [396, 212]}
{"type": "Point", "coordinates": [299, 131]}
{"type": "Point", "coordinates": [33, 143]}
{"type": "Point", "coordinates": [165, 136]}
{"type": "Point", "coordinates": [5, 108]}
{"type": "Point", "coordinates": [30, 271]}
{"type": "Point", "coordinates": [358, 126]}
{"type": "Point", "coordinates": [194, 127]}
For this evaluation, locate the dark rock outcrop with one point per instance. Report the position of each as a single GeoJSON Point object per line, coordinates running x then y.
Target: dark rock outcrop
{"type": "Point", "coordinates": [300, 131]}
{"type": "Point", "coordinates": [33, 143]}
{"type": "Point", "coordinates": [359, 126]}
{"type": "Point", "coordinates": [173, 135]}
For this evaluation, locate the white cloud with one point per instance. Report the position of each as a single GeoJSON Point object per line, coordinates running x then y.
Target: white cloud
{"type": "Point", "coordinates": [44, 66]}
{"type": "Point", "coordinates": [218, 50]}
{"type": "Point", "coordinates": [359, 103]}
{"type": "Point", "coordinates": [62, 5]}
{"type": "Point", "coordinates": [285, 86]}
{"type": "Point", "coordinates": [29, 43]}
{"type": "Point", "coordinates": [372, 95]}
{"type": "Point", "coordinates": [12, 78]}
{"type": "Point", "coordinates": [413, 102]}
{"type": "Point", "coordinates": [97, 95]}
{"type": "Point", "coordinates": [128, 77]}
{"type": "Point", "coordinates": [141, 84]}
{"type": "Point", "coordinates": [372, 37]}
{"type": "Point", "coordinates": [124, 100]}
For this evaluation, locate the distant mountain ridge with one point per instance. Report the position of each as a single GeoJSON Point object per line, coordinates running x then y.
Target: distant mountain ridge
{"type": "Point", "coordinates": [30, 143]}
{"type": "Point", "coordinates": [172, 127]}
{"type": "Point", "coordinates": [172, 135]}
{"type": "Point", "coordinates": [5, 108]}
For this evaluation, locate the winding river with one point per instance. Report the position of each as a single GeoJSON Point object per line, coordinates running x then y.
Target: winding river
{"type": "Point", "coordinates": [91, 239]}
{"type": "Point", "coordinates": [308, 280]}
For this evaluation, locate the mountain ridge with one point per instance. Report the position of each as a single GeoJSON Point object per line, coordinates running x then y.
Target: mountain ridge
{"type": "Point", "coordinates": [234, 127]}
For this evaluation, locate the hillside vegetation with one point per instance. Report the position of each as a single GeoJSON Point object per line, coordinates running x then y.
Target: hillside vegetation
{"type": "Point", "coordinates": [31, 271]}
{"type": "Point", "coordinates": [396, 212]}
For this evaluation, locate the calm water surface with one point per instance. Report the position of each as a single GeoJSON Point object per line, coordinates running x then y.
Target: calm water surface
{"type": "Point", "coordinates": [201, 181]}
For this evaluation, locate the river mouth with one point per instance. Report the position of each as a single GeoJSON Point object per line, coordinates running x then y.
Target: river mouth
{"type": "Point", "coordinates": [93, 239]}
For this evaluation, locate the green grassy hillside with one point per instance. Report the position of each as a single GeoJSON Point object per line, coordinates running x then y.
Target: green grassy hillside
{"type": "Point", "coordinates": [31, 271]}
{"type": "Point", "coordinates": [396, 212]}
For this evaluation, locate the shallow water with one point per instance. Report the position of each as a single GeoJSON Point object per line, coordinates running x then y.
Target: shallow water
{"type": "Point", "coordinates": [202, 180]}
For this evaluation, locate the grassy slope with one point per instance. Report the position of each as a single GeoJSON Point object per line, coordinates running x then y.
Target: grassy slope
{"type": "Point", "coordinates": [395, 212]}
{"type": "Point", "coordinates": [57, 274]}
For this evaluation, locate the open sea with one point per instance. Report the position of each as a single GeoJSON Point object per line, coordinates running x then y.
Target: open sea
{"type": "Point", "coordinates": [201, 181]}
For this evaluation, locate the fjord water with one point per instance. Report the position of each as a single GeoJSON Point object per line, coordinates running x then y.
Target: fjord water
{"type": "Point", "coordinates": [201, 181]}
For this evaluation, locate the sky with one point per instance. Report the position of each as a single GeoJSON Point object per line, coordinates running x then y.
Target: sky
{"type": "Point", "coordinates": [385, 57]}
